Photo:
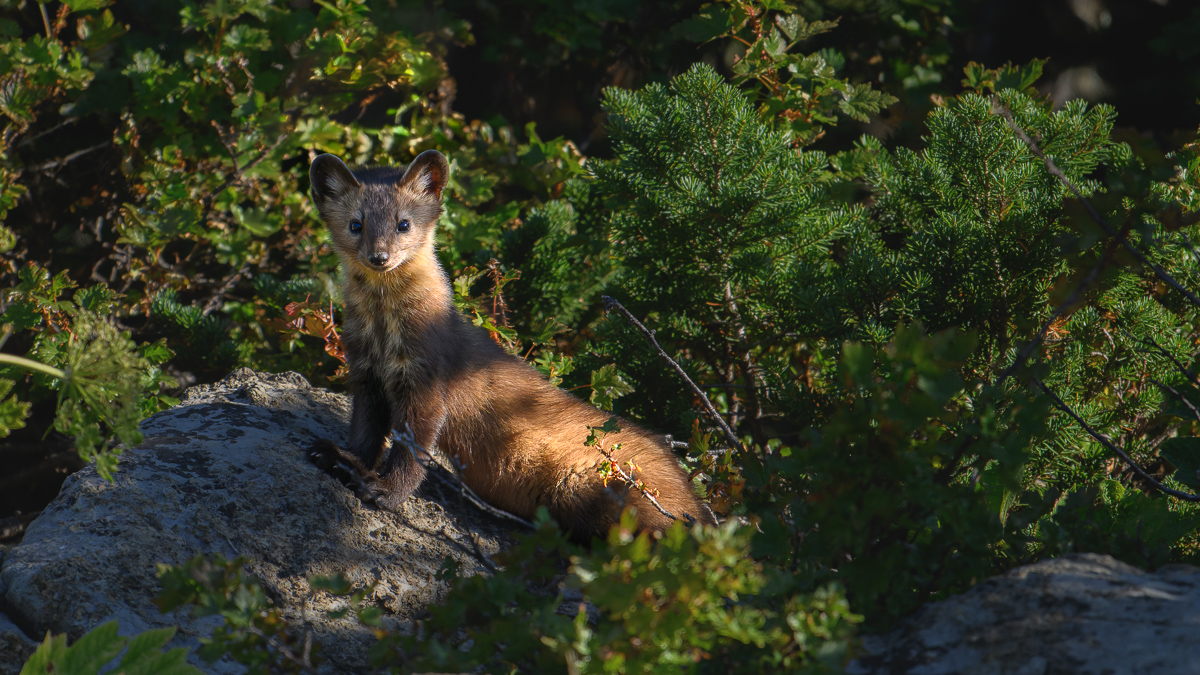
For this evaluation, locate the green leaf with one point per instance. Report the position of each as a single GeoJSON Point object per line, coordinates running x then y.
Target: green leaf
{"type": "Point", "coordinates": [798, 30]}
{"type": "Point", "coordinates": [712, 22]}
{"type": "Point", "coordinates": [608, 385]}
{"type": "Point", "coordinates": [51, 651]}
{"type": "Point", "coordinates": [97, 31]}
{"type": "Point", "coordinates": [99, 299]}
{"type": "Point", "coordinates": [1021, 77]}
{"type": "Point", "coordinates": [12, 411]}
{"type": "Point", "coordinates": [142, 645]}
{"type": "Point", "coordinates": [96, 648]}
{"type": "Point", "coordinates": [977, 77]}
{"type": "Point", "coordinates": [86, 5]}
{"type": "Point", "coordinates": [23, 315]}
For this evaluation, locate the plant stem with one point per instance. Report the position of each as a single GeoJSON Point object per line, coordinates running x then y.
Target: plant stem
{"type": "Point", "coordinates": [36, 366]}
{"type": "Point", "coordinates": [46, 21]}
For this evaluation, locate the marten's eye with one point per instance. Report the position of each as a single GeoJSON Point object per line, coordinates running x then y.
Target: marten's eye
{"type": "Point", "coordinates": [356, 227]}
{"type": "Point", "coordinates": [403, 225]}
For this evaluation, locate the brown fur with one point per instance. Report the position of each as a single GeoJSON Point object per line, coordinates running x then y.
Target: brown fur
{"type": "Point", "coordinates": [415, 360]}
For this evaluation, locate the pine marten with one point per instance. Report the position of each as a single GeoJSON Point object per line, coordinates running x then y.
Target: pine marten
{"type": "Point", "coordinates": [414, 360]}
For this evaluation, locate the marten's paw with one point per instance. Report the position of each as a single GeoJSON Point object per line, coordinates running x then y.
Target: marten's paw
{"type": "Point", "coordinates": [328, 457]}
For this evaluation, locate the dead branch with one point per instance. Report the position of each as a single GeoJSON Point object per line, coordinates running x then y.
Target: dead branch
{"type": "Point", "coordinates": [1177, 394]}
{"type": "Point", "coordinates": [215, 301]}
{"type": "Point", "coordinates": [69, 158]}
{"type": "Point", "coordinates": [609, 304]}
{"type": "Point", "coordinates": [1107, 442]}
{"type": "Point", "coordinates": [301, 661]}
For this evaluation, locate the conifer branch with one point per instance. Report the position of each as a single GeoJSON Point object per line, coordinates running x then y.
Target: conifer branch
{"type": "Point", "coordinates": [1062, 308]}
{"type": "Point", "coordinates": [1062, 177]}
{"type": "Point", "coordinates": [1107, 442]}
{"type": "Point", "coordinates": [610, 303]}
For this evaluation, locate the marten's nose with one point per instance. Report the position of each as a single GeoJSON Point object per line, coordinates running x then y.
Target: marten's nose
{"type": "Point", "coordinates": [378, 258]}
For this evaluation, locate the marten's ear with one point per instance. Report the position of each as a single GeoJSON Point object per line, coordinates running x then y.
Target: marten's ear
{"type": "Point", "coordinates": [330, 178]}
{"type": "Point", "coordinates": [427, 174]}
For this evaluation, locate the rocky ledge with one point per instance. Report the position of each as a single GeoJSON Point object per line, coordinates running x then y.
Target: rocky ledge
{"type": "Point", "coordinates": [225, 472]}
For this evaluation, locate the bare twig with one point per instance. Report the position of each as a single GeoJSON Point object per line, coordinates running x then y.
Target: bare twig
{"type": "Point", "coordinates": [478, 553]}
{"type": "Point", "coordinates": [237, 171]}
{"type": "Point", "coordinates": [215, 301]}
{"type": "Point", "coordinates": [1107, 442]}
{"type": "Point", "coordinates": [26, 141]}
{"type": "Point", "coordinates": [302, 661]}
{"type": "Point", "coordinates": [609, 304]}
{"type": "Point", "coordinates": [1062, 177]}
{"type": "Point", "coordinates": [74, 155]}
{"type": "Point", "coordinates": [1027, 350]}
{"type": "Point", "coordinates": [481, 556]}
{"type": "Point", "coordinates": [749, 380]}
{"type": "Point", "coordinates": [674, 444]}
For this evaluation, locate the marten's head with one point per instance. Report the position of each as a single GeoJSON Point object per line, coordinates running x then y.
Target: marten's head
{"type": "Point", "coordinates": [379, 218]}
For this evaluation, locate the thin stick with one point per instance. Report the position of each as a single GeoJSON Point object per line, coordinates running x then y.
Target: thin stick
{"type": "Point", "coordinates": [215, 301]}
{"type": "Point", "coordinates": [74, 155]}
{"type": "Point", "coordinates": [283, 650]}
{"type": "Point", "coordinates": [1027, 351]}
{"type": "Point", "coordinates": [1058, 403]}
{"type": "Point", "coordinates": [237, 171]}
{"type": "Point", "coordinates": [609, 303]}
{"type": "Point", "coordinates": [1062, 177]}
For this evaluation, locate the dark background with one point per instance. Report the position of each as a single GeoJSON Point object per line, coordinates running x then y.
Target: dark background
{"type": "Point", "coordinates": [1142, 56]}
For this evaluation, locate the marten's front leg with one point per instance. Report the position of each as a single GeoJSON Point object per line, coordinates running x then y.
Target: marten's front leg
{"type": "Point", "coordinates": [404, 470]}
{"type": "Point", "coordinates": [358, 467]}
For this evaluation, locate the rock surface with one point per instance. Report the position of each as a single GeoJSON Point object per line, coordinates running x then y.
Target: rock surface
{"type": "Point", "coordinates": [15, 647]}
{"type": "Point", "coordinates": [225, 472]}
{"type": "Point", "coordinates": [1082, 614]}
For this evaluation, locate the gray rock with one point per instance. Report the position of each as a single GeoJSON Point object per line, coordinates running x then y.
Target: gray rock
{"type": "Point", "coordinates": [225, 472]}
{"type": "Point", "coordinates": [15, 647]}
{"type": "Point", "coordinates": [1080, 614]}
